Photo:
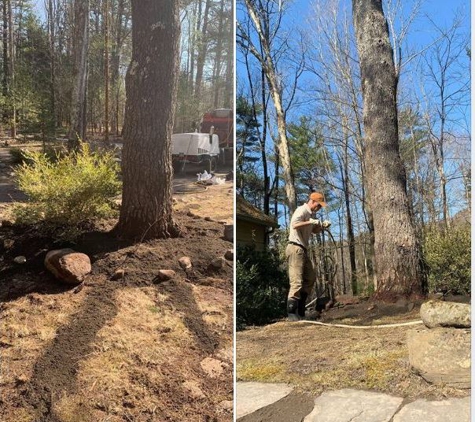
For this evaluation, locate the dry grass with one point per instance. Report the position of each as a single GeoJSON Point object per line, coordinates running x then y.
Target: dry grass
{"type": "Point", "coordinates": [214, 203]}
{"type": "Point", "coordinates": [316, 358]}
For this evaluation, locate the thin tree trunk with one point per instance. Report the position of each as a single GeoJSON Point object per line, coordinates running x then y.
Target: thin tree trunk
{"type": "Point", "coordinates": [78, 103]}
{"type": "Point", "coordinates": [51, 32]}
{"type": "Point", "coordinates": [275, 92]}
{"type": "Point", "coordinates": [6, 60]}
{"type": "Point", "coordinates": [11, 72]}
{"type": "Point", "coordinates": [349, 220]}
{"type": "Point", "coordinates": [106, 70]}
{"type": "Point", "coordinates": [217, 83]}
{"type": "Point", "coordinates": [202, 49]}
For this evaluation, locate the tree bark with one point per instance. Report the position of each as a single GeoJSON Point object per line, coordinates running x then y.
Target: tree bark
{"type": "Point", "coordinates": [268, 66]}
{"type": "Point", "coordinates": [202, 49]}
{"type": "Point", "coordinates": [5, 56]}
{"type": "Point", "coordinates": [151, 85]}
{"type": "Point", "coordinates": [51, 12]}
{"type": "Point", "coordinates": [11, 71]}
{"type": "Point", "coordinates": [106, 70]}
{"type": "Point", "coordinates": [397, 251]}
{"type": "Point", "coordinates": [81, 43]}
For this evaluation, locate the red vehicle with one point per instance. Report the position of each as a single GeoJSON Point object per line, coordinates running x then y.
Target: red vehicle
{"type": "Point", "coordinates": [222, 120]}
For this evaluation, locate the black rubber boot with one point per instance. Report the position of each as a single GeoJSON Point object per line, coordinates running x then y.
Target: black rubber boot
{"type": "Point", "coordinates": [292, 307]}
{"type": "Point", "coordinates": [301, 304]}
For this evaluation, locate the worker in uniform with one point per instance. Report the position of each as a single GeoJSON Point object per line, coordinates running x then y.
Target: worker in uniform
{"type": "Point", "coordinates": [300, 266]}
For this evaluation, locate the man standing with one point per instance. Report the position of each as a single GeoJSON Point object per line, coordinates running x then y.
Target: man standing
{"type": "Point", "coordinates": [301, 272]}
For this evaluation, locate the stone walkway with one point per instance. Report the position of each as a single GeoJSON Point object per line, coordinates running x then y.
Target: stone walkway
{"type": "Point", "coordinates": [353, 405]}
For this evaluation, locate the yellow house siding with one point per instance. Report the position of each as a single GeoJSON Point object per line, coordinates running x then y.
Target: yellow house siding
{"type": "Point", "coordinates": [248, 234]}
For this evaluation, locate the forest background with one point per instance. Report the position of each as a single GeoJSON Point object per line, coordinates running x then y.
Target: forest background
{"type": "Point", "coordinates": [299, 87]}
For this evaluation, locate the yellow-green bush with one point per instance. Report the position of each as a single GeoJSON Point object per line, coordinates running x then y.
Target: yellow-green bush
{"type": "Point", "coordinates": [70, 190]}
{"type": "Point", "coordinates": [448, 258]}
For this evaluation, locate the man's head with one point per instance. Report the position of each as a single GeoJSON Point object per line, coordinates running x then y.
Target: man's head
{"type": "Point", "coordinates": [316, 201]}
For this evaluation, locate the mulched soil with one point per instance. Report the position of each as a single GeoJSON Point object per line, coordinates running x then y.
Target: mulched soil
{"type": "Point", "coordinates": [54, 374]}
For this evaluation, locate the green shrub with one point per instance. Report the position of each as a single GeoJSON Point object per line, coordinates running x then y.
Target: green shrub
{"type": "Point", "coordinates": [447, 256]}
{"type": "Point", "coordinates": [261, 287]}
{"type": "Point", "coordinates": [70, 191]}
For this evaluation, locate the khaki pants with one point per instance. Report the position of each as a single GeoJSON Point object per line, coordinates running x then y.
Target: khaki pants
{"type": "Point", "coordinates": [301, 271]}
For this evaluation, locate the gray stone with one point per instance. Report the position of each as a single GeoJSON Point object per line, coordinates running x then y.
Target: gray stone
{"type": "Point", "coordinates": [19, 259]}
{"type": "Point", "coordinates": [217, 263]}
{"type": "Point", "coordinates": [441, 355]}
{"type": "Point", "coordinates": [67, 265]}
{"type": "Point", "coordinates": [435, 411]}
{"type": "Point", "coordinates": [445, 314]}
{"type": "Point", "coordinates": [355, 406]}
{"type": "Point", "coordinates": [252, 396]}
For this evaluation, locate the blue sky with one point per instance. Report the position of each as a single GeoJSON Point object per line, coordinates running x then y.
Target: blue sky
{"type": "Point", "coordinates": [422, 33]}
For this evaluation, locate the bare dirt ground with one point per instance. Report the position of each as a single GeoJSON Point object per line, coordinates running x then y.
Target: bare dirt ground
{"type": "Point", "coordinates": [134, 349]}
{"type": "Point", "coordinates": [316, 358]}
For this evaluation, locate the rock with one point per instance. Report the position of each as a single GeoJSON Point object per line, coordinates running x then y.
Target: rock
{"type": "Point", "coordinates": [252, 396]}
{"type": "Point", "coordinates": [217, 263]}
{"type": "Point", "coordinates": [445, 314]}
{"type": "Point", "coordinates": [354, 405]}
{"type": "Point", "coordinates": [229, 255]}
{"type": "Point", "coordinates": [194, 389]}
{"type": "Point", "coordinates": [119, 274]}
{"type": "Point", "coordinates": [164, 275]}
{"type": "Point", "coordinates": [453, 409]}
{"type": "Point", "coordinates": [212, 367]}
{"type": "Point", "coordinates": [19, 260]}
{"type": "Point", "coordinates": [441, 355]}
{"type": "Point", "coordinates": [208, 219]}
{"type": "Point", "coordinates": [67, 265]}
{"type": "Point", "coordinates": [185, 262]}
{"type": "Point", "coordinates": [229, 232]}
{"type": "Point", "coordinates": [226, 405]}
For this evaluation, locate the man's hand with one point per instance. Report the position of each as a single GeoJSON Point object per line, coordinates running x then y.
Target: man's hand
{"type": "Point", "coordinates": [315, 222]}
{"type": "Point", "coordinates": [326, 224]}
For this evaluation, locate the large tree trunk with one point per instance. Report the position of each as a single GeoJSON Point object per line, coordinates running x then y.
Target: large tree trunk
{"type": "Point", "coordinates": [78, 102]}
{"type": "Point", "coordinates": [151, 85]}
{"type": "Point", "coordinates": [397, 251]}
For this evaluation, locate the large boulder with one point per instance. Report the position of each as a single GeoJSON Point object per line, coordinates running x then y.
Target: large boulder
{"type": "Point", "coordinates": [67, 265]}
{"type": "Point", "coordinates": [441, 355]}
{"type": "Point", "coordinates": [445, 314]}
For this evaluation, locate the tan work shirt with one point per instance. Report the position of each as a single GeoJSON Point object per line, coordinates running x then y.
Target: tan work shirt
{"type": "Point", "coordinates": [302, 234]}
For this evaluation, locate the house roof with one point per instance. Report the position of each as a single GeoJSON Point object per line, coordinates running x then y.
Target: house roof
{"type": "Point", "coordinates": [248, 212]}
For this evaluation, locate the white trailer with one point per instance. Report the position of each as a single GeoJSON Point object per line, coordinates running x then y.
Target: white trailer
{"type": "Point", "coordinates": [197, 149]}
